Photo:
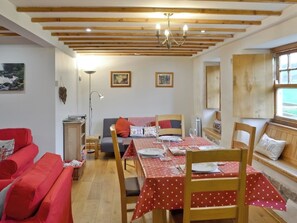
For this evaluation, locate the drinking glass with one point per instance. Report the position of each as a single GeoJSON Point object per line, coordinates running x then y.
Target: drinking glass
{"type": "Point", "coordinates": [193, 134]}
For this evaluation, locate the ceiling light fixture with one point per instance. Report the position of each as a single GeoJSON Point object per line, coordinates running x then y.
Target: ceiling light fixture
{"type": "Point", "coordinates": [88, 30]}
{"type": "Point", "coordinates": [169, 39]}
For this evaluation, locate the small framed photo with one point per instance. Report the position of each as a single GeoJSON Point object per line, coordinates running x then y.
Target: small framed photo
{"type": "Point", "coordinates": [164, 79]}
{"type": "Point", "coordinates": [120, 79]}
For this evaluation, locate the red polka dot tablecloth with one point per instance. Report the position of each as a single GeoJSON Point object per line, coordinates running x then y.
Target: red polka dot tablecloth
{"type": "Point", "coordinates": [164, 183]}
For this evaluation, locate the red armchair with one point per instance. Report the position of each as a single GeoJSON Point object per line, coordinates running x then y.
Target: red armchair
{"type": "Point", "coordinates": [23, 155]}
{"type": "Point", "coordinates": [40, 195]}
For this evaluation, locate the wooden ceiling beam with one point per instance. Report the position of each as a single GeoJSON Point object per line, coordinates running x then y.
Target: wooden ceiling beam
{"type": "Point", "coordinates": [254, 1]}
{"type": "Point", "coordinates": [141, 51]}
{"type": "Point", "coordinates": [144, 20]}
{"type": "Point", "coordinates": [140, 28]}
{"type": "Point", "coordinates": [136, 34]}
{"type": "Point", "coordinates": [178, 48]}
{"type": "Point", "coordinates": [132, 44]}
{"type": "Point", "coordinates": [150, 10]}
{"type": "Point", "coordinates": [9, 34]}
{"type": "Point", "coordinates": [126, 39]}
{"type": "Point", "coordinates": [135, 54]}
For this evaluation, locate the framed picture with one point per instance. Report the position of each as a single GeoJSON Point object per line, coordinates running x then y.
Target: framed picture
{"type": "Point", "coordinates": [12, 76]}
{"type": "Point", "coordinates": [164, 79]}
{"type": "Point", "coordinates": [120, 79]}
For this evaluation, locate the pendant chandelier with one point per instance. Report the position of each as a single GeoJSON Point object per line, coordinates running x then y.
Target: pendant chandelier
{"type": "Point", "coordinates": [169, 39]}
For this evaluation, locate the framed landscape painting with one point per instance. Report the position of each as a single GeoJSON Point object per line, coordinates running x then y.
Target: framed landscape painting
{"type": "Point", "coordinates": [120, 79]}
{"type": "Point", "coordinates": [12, 76]}
{"type": "Point", "coordinates": [164, 79]}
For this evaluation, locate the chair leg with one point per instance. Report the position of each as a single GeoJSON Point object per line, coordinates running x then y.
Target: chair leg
{"type": "Point", "coordinates": [124, 212]}
{"type": "Point", "coordinates": [125, 164]}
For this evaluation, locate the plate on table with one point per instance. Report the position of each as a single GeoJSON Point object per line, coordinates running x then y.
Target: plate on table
{"type": "Point", "coordinates": [210, 147]}
{"type": "Point", "coordinates": [205, 167]}
{"type": "Point", "coordinates": [151, 152]}
{"type": "Point", "coordinates": [171, 138]}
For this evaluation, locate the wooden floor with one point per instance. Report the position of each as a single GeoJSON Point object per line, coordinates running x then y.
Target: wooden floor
{"type": "Point", "coordinates": [96, 198]}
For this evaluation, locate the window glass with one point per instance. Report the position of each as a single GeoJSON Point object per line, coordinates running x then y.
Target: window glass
{"type": "Point", "coordinates": [283, 77]}
{"type": "Point", "coordinates": [293, 77]}
{"type": "Point", "coordinates": [287, 103]}
{"type": "Point", "coordinates": [293, 60]}
{"type": "Point", "coordinates": [283, 62]}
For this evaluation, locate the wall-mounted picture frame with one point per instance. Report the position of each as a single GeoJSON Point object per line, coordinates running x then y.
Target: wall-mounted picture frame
{"type": "Point", "coordinates": [12, 76]}
{"type": "Point", "coordinates": [164, 79]}
{"type": "Point", "coordinates": [120, 79]}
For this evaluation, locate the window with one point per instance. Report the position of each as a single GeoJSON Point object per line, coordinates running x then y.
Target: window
{"type": "Point", "coordinates": [286, 86]}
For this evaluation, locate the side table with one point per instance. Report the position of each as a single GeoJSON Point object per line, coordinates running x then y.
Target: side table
{"type": "Point", "coordinates": [93, 145]}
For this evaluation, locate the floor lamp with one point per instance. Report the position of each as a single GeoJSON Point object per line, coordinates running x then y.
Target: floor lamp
{"type": "Point", "coordinates": [90, 72]}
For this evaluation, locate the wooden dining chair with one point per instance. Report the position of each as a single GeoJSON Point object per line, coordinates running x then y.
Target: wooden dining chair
{"type": "Point", "coordinates": [176, 127]}
{"type": "Point", "coordinates": [230, 213]}
{"type": "Point", "coordinates": [238, 133]}
{"type": "Point", "coordinates": [129, 187]}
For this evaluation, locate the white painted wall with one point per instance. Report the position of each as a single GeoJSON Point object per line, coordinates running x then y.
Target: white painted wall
{"type": "Point", "coordinates": [34, 107]}
{"type": "Point", "coordinates": [143, 98]}
{"type": "Point", "coordinates": [65, 76]}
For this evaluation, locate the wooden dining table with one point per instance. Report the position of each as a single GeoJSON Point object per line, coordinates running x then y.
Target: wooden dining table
{"type": "Point", "coordinates": [163, 181]}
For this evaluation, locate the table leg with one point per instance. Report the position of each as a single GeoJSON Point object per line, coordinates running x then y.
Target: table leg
{"type": "Point", "coordinates": [97, 150]}
{"type": "Point", "coordinates": [159, 216]}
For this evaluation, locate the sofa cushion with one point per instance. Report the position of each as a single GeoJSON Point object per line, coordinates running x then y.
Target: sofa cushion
{"type": "Point", "coordinates": [22, 136]}
{"type": "Point", "coordinates": [136, 131]}
{"type": "Point", "coordinates": [163, 124]}
{"type": "Point", "coordinates": [122, 127]}
{"type": "Point", "coordinates": [31, 187]}
{"type": "Point", "coordinates": [6, 148]}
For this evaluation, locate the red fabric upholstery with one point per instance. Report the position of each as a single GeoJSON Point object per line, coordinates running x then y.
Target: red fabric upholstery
{"type": "Point", "coordinates": [28, 192]}
{"type": "Point", "coordinates": [24, 153]}
{"type": "Point", "coordinates": [56, 205]}
{"type": "Point", "coordinates": [22, 136]}
{"type": "Point", "coordinates": [122, 127]}
{"type": "Point", "coordinates": [166, 124]}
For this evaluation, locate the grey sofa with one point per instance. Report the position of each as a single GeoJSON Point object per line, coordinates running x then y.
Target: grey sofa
{"type": "Point", "coordinates": [106, 141]}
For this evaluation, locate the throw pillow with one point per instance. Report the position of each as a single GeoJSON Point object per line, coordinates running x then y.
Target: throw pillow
{"type": "Point", "coordinates": [136, 131]}
{"type": "Point", "coordinates": [269, 147]}
{"type": "Point", "coordinates": [6, 148]}
{"type": "Point", "coordinates": [150, 131]}
{"type": "Point", "coordinates": [166, 124]}
{"type": "Point", "coordinates": [122, 127]}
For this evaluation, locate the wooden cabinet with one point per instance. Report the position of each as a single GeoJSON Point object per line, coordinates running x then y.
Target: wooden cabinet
{"type": "Point", "coordinates": [74, 139]}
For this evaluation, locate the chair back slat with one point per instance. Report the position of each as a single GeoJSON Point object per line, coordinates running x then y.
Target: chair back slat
{"type": "Point", "coordinates": [171, 131]}
{"type": "Point", "coordinates": [235, 183]}
{"type": "Point", "coordinates": [237, 143]}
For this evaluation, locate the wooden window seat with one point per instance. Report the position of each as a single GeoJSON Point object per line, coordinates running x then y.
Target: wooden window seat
{"type": "Point", "coordinates": [282, 172]}
{"type": "Point", "coordinates": [287, 163]}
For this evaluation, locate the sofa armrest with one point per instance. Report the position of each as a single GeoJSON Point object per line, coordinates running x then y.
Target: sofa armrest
{"type": "Point", "coordinates": [18, 162]}
{"type": "Point", "coordinates": [56, 206]}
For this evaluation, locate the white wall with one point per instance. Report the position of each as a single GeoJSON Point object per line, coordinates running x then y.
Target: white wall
{"type": "Point", "coordinates": [65, 76]}
{"type": "Point", "coordinates": [143, 98]}
{"type": "Point", "coordinates": [34, 107]}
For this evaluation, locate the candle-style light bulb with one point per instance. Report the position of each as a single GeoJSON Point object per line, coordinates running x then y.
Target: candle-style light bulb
{"type": "Point", "coordinates": [158, 28]}
{"type": "Point", "coordinates": [166, 33]}
{"type": "Point", "coordinates": [185, 29]}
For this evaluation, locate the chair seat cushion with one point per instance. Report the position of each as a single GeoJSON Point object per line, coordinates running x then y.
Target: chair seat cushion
{"type": "Point", "coordinates": [132, 186]}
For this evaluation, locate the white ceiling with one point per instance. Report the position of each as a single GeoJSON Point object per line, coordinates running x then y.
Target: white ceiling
{"type": "Point", "coordinates": [175, 4]}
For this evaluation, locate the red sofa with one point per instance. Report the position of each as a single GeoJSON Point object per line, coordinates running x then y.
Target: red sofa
{"type": "Point", "coordinates": [24, 152]}
{"type": "Point", "coordinates": [40, 195]}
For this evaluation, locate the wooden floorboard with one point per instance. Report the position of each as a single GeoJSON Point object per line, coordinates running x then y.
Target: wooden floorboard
{"type": "Point", "coordinates": [96, 195]}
